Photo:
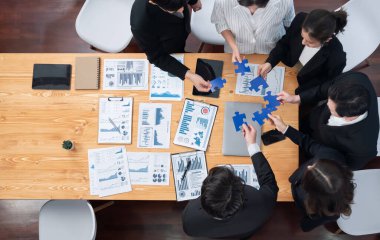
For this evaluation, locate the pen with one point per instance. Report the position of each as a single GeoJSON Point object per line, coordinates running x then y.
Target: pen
{"type": "Point", "coordinates": [114, 125]}
{"type": "Point", "coordinates": [186, 169]}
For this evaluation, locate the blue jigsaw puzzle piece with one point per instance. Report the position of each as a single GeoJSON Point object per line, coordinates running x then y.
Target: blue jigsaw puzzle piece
{"type": "Point", "coordinates": [241, 67]}
{"type": "Point", "coordinates": [217, 83]}
{"type": "Point", "coordinates": [272, 101]}
{"type": "Point", "coordinates": [257, 82]}
{"type": "Point", "coordinates": [238, 120]}
{"type": "Point", "coordinates": [259, 117]}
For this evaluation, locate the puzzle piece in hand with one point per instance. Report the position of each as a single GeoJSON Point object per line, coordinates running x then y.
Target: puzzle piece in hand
{"type": "Point", "coordinates": [241, 67]}
{"type": "Point", "coordinates": [257, 82]}
{"type": "Point", "coordinates": [217, 83]}
{"type": "Point", "coordinates": [259, 117]}
{"type": "Point", "coordinates": [238, 120]}
{"type": "Point", "coordinates": [272, 101]}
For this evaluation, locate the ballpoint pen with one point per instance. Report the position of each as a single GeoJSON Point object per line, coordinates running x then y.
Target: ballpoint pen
{"type": "Point", "coordinates": [186, 169]}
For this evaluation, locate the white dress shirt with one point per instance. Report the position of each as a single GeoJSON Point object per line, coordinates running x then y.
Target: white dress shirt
{"type": "Point", "coordinates": [257, 33]}
{"type": "Point", "coordinates": [338, 121]}
{"type": "Point", "coordinates": [307, 54]}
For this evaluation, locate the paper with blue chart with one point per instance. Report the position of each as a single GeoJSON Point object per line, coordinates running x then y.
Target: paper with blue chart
{"type": "Point", "coordinates": [125, 74]}
{"type": "Point", "coordinates": [247, 173]}
{"type": "Point", "coordinates": [275, 80]}
{"type": "Point", "coordinates": [165, 86]}
{"type": "Point", "coordinates": [154, 125]}
{"type": "Point", "coordinates": [115, 120]}
{"type": "Point", "coordinates": [108, 171]}
{"type": "Point", "coordinates": [195, 125]}
{"type": "Point", "coordinates": [149, 168]}
{"type": "Point", "coordinates": [189, 170]}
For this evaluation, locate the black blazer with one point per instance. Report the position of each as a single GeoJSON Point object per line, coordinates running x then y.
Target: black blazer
{"type": "Point", "coordinates": [258, 207]}
{"type": "Point", "coordinates": [326, 64]}
{"type": "Point", "coordinates": [358, 141]}
{"type": "Point", "coordinates": [159, 33]}
{"type": "Point", "coordinates": [315, 151]}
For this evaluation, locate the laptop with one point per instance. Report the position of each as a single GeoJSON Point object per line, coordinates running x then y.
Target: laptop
{"type": "Point", "coordinates": [233, 142]}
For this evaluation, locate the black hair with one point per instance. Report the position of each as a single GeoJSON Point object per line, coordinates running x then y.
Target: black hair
{"type": "Point", "coordinates": [321, 24]}
{"type": "Point", "coordinates": [222, 193]}
{"type": "Point", "coordinates": [258, 3]}
{"type": "Point", "coordinates": [329, 189]}
{"type": "Point", "coordinates": [351, 99]}
{"type": "Point", "coordinates": [169, 5]}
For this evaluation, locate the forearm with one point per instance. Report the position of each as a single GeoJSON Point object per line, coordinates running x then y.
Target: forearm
{"type": "Point", "coordinates": [230, 39]}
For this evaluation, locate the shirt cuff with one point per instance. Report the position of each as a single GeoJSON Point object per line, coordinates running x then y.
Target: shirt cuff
{"type": "Point", "coordinates": [286, 129]}
{"type": "Point", "coordinates": [253, 149]}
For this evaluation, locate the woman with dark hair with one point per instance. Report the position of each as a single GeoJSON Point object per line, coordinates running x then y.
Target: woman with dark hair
{"type": "Point", "coordinates": [310, 45]}
{"type": "Point", "coordinates": [251, 26]}
{"type": "Point", "coordinates": [322, 187]}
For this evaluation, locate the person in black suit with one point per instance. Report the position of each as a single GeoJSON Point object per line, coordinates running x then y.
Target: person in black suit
{"type": "Point", "coordinates": [310, 45]}
{"type": "Point", "coordinates": [161, 27]}
{"type": "Point", "coordinates": [227, 208]}
{"type": "Point", "coordinates": [349, 121]}
{"type": "Point", "coordinates": [322, 187]}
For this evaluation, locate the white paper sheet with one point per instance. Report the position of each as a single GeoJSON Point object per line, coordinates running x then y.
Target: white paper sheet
{"type": "Point", "coordinates": [154, 125]}
{"type": "Point", "coordinates": [149, 168]}
{"type": "Point", "coordinates": [115, 120]}
{"type": "Point", "coordinates": [108, 171]}
{"type": "Point", "coordinates": [125, 74]}
{"type": "Point", "coordinates": [189, 186]}
{"type": "Point", "coordinates": [275, 80]}
{"type": "Point", "coordinates": [164, 86]}
{"type": "Point", "coordinates": [195, 126]}
{"type": "Point", "coordinates": [247, 173]}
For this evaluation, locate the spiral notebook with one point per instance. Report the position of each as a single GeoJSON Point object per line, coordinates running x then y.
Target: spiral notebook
{"type": "Point", "coordinates": [87, 73]}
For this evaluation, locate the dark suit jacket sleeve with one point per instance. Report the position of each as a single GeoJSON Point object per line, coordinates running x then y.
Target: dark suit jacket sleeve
{"type": "Point", "coordinates": [282, 48]}
{"type": "Point", "coordinates": [150, 44]}
{"type": "Point", "coordinates": [334, 67]}
{"type": "Point", "coordinates": [312, 147]}
{"type": "Point", "coordinates": [265, 175]}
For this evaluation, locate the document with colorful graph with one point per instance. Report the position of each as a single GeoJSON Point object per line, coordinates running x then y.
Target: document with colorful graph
{"type": "Point", "coordinates": [195, 125]}
{"type": "Point", "coordinates": [165, 86]}
{"type": "Point", "coordinates": [148, 168]}
{"type": "Point", "coordinates": [275, 81]}
{"type": "Point", "coordinates": [125, 74]}
{"type": "Point", "coordinates": [154, 125]}
{"type": "Point", "coordinates": [108, 171]}
{"type": "Point", "coordinates": [189, 170]}
{"type": "Point", "coordinates": [115, 120]}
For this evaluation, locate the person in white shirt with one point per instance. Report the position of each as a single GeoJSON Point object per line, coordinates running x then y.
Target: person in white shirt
{"type": "Point", "coordinates": [251, 26]}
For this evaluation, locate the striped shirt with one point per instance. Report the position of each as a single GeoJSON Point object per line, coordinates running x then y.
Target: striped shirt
{"type": "Point", "coordinates": [257, 33]}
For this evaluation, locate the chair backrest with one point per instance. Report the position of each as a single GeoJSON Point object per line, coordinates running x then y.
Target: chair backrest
{"type": "Point", "coordinates": [67, 219]}
{"type": "Point", "coordinates": [365, 216]}
{"type": "Point", "coordinates": [202, 27]}
{"type": "Point", "coordinates": [362, 33]}
{"type": "Point", "coordinates": [105, 24]}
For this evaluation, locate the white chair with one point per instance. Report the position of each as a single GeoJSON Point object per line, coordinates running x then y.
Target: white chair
{"type": "Point", "coordinates": [365, 214]}
{"type": "Point", "coordinates": [203, 28]}
{"type": "Point", "coordinates": [67, 219]}
{"type": "Point", "coordinates": [105, 24]}
{"type": "Point", "coordinates": [362, 33]}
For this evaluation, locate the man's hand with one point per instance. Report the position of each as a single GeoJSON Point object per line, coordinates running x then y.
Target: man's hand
{"type": "Point", "coordinates": [199, 83]}
{"type": "Point", "coordinates": [285, 97]}
{"type": "Point", "coordinates": [197, 6]}
{"type": "Point", "coordinates": [264, 69]}
{"type": "Point", "coordinates": [249, 133]}
{"type": "Point", "coordinates": [278, 123]}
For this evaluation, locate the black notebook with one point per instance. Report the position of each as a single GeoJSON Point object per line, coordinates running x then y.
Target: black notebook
{"type": "Point", "coordinates": [51, 76]}
{"type": "Point", "coordinates": [209, 70]}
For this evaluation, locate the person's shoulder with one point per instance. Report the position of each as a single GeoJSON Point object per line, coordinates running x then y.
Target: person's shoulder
{"type": "Point", "coordinates": [139, 14]}
{"type": "Point", "coordinates": [226, 3]}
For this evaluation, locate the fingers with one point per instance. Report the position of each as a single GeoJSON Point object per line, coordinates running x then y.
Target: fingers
{"type": "Point", "coordinates": [245, 128]}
